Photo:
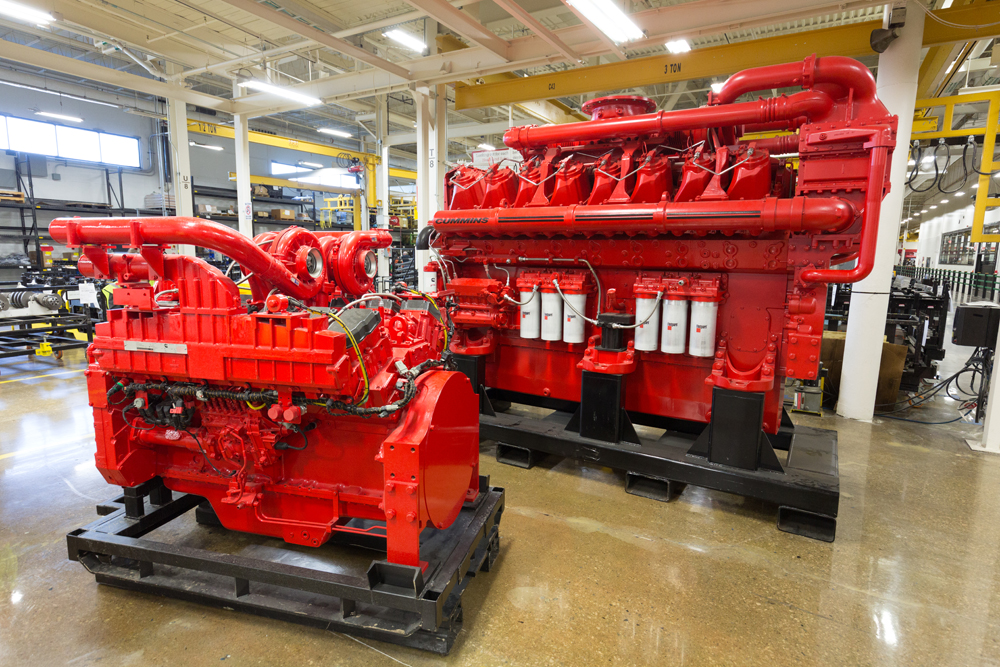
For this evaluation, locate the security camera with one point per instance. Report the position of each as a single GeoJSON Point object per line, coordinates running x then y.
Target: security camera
{"type": "Point", "coordinates": [881, 39]}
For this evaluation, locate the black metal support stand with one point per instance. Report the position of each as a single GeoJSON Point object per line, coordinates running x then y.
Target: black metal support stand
{"type": "Point", "coordinates": [393, 603]}
{"type": "Point", "coordinates": [731, 454]}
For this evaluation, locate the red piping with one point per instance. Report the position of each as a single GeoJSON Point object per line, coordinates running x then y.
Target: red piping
{"type": "Point", "coordinates": [135, 232]}
{"type": "Point", "coordinates": [812, 104]}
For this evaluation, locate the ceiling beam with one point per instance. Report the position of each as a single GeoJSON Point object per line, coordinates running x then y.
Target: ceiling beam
{"type": "Point", "coordinates": [533, 24]}
{"type": "Point", "coordinates": [298, 27]}
{"type": "Point", "coordinates": [547, 111]}
{"type": "Point", "coordinates": [104, 19]}
{"type": "Point", "coordinates": [849, 40]}
{"type": "Point", "coordinates": [442, 12]}
{"type": "Point", "coordinates": [454, 132]}
{"type": "Point", "coordinates": [319, 18]}
{"type": "Point", "coordinates": [108, 76]}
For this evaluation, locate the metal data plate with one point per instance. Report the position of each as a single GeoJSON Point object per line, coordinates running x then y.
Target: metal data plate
{"type": "Point", "coordinates": [149, 346]}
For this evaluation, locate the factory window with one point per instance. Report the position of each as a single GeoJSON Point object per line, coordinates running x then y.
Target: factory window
{"type": "Point", "coordinates": [76, 144]}
{"type": "Point", "coordinates": [957, 248]}
{"type": "Point", "coordinates": [71, 143]}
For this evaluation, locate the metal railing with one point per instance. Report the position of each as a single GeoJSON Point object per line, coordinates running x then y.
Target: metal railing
{"type": "Point", "coordinates": [964, 285]}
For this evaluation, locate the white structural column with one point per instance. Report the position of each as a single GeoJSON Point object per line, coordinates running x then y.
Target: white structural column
{"type": "Point", "coordinates": [439, 146]}
{"type": "Point", "coordinates": [244, 195]}
{"type": "Point", "coordinates": [425, 163]}
{"type": "Point", "coordinates": [180, 161]}
{"type": "Point", "coordinates": [432, 132]}
{"type": "Point", "coordinates": [898, 70]}
{"type": "Point", "coordinates": [382, 178]}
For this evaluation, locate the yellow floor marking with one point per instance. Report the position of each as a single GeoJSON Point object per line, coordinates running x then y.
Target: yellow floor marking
{"type": "Point", "coordinates": [35, 377]}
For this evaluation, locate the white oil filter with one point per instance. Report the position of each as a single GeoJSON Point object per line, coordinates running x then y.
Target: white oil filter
{"type": "Point", "coordinates": [531, 314]}
{"type": "Point", "coordinates": [573, 324]}
{"type": "Point", "coordinates": [702, 335]}
{"type": "Point", "coordinates": [430, 282]}
{"type": "Point", "coordinates": [675, 322]}
{"type": "Point", "coordinates": [647, 335]}
{"type": "Point", "coordinates": [552, 307]}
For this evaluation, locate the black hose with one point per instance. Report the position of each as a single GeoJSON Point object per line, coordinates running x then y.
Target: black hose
{"type": "Point", "coordinates": [301, 431]}
{"type": "Point", "coordinates": [965, 170]}
{"type": "Point", "coordinates": [916, 168]}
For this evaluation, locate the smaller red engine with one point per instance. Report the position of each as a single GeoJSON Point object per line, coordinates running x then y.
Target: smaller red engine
{"type": "Point", "coordinates": [291, 414]}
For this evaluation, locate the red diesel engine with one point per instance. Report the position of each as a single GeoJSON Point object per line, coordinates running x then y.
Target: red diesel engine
{"type": "Point", "coordinates": [666, 269]}
{"type": "Point", "coordinates": [291, 414]}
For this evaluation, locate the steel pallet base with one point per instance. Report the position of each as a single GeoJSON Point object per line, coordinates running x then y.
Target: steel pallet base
{"type": "Point", "coordinates": [807, 492]}
{"type": "Point", "coordinates": [393, 603]}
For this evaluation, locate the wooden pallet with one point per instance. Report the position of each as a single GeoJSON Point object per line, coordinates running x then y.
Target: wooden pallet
{"type": "Point", "coordinates": [12, 195]}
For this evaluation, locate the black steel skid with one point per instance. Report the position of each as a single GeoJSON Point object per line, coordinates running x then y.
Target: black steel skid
{"type": "Point", "coordinates": [393, 603]}
{"type": "Point", "coordinates": [731, 454]}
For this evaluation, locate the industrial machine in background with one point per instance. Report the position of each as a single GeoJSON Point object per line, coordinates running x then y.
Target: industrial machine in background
{"type": "Point", "coordinates": [315, 412]}
{"type": "Point", "coordinates": [664, 269]}
{"type": "Point", "coordinates": [916, 316]}
{"type": "Point", "coordinates": [976, 325]}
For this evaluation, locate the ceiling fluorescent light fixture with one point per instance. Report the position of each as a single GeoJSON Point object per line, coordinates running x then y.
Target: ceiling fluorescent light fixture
{"type": "Point", "coordinates": [487, 147]}
{"type": "Point", "coordinates": [406, 39]}
{"type": "Point", "coordinates": [678, 46]}
{"type": "Point", "coordinates": [208, 146]}
{"type": "Point", "coordinates": [59, 116]}
{"type": "Point", "coordinates": [16, 10]}
{"type": "Point", "coordinates": [279, 91]}
{"type": "Point", "coordinates": [336, 133]}
{"type": "Point", "coordinates": [609, 19]}
{"type": "Point", "coordinates": [56, 92]}
{"type": "Point", "coordinates": [311, 165]}
{"type": "Point", "coordinates": [717, 88]}
{"type": "Point", "coordinates": [142, 112]}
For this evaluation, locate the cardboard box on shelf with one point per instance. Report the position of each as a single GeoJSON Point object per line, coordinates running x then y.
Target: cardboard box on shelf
{"type": "Point", "coordinates": [205, 209]}
{"type": "Point", "coordinates": [46, 257]}
{"type": "Point", "coordinates": [263, 214]}
{"type": "Point", "coordinates": [282, 214]}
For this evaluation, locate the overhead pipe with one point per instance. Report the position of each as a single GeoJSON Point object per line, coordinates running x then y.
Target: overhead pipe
{"type": "Point", "coordinates": [846, 73]}
{"type": "Point", "coordinates": [75, 232]}
{"type": "Point", "coordinates": [813, 104]}
{"type": "Point", "coordinates": [797, 214]}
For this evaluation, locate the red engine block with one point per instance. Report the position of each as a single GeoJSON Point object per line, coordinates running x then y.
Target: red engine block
{"type": "Point", "coordinates": [714, 244]}
{"type": "Point", "coordinates": [288, 418]}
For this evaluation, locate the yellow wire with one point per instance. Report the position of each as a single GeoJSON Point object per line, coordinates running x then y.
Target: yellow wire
{"type": "Point", "coordinates": [357, 350]}
{"type": "Point", "coordinates": [440, 317]}
{"type": "Point", "coordinates": [255, 407]}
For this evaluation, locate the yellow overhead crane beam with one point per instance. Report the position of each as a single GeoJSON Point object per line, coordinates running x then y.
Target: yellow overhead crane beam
{"type": "Point", "coordinates": [395, 172]}
{"type": "Point", "coordinates": [850, 40]}
{"type": "Point", "coordinates": [369, 160]}
{"type": "Point", "coordinates": [550, 111]}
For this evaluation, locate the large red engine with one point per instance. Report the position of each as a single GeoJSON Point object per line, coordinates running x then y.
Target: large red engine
{"type": "Point", "coordinates": [292, 413]}
{"type": "Point", "coordinates": [666, 261]}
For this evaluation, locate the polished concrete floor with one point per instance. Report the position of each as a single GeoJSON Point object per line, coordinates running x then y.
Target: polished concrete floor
{"type": "Point", "coordinates": [587, 574]}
